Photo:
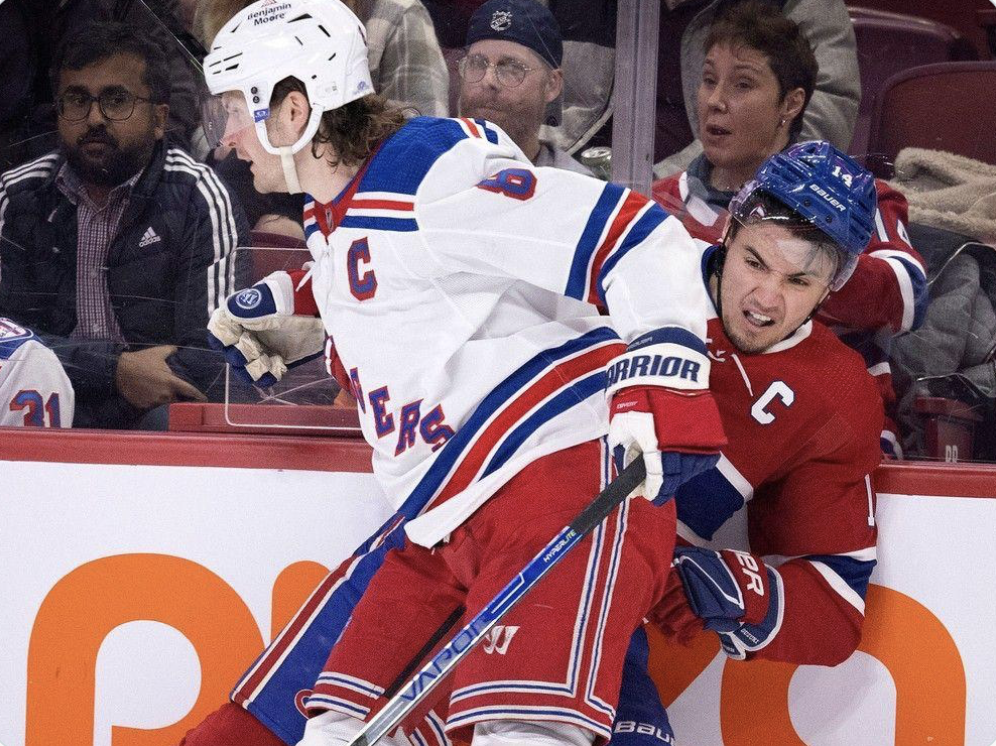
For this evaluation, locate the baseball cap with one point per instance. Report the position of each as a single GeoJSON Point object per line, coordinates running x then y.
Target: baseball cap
{"type": "Point", "coordinates": [525, 22]}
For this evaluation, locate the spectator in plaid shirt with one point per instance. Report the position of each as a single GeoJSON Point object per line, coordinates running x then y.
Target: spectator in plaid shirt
{"type": "Point", "coordinates": [116, 248]}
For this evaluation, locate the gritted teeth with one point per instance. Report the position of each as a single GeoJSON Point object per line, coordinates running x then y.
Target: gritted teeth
{"type": "Point", "coordinates": [759, 318]}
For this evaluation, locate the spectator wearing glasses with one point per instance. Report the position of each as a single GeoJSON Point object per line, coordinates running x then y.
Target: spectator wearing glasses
{"type": "Point", "coordinates": [511, 75]}
{"type": "Point", "coordinates": [116, 248]}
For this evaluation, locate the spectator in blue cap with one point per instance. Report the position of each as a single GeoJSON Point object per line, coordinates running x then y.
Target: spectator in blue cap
{"type": "Point", "coordinates": [511, 75]}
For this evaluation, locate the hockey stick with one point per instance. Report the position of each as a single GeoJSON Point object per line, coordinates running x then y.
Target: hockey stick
{"type": "Point", "coordinates": [443, 663]}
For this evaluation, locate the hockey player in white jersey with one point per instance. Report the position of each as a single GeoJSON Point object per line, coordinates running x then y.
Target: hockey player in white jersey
{"type": "Point", "coordinates": [34, 389]}
{"type": "Point", "coordinates": [460, 286]}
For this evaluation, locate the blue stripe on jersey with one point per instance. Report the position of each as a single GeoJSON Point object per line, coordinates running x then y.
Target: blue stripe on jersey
{"type": "Point", "coordinates": [310, 230]}
{"type": "Point", "coordinates": [560, 403]}
{"type": "Point", "coordinates": [10, 345]}
{"type": "Point", "coordinates": [495, 400]}
{"type": "Point", "coordinates": [488, 132]}
{"type": "Point", "coordinates": [406, 157]}
{"type": "Point", "coordinates": [577, 281]}
{"type": "Point", "coordinates": [669, 334]}
{"type": "Point", "coordinates": [402, 225]}
{"type": "Point", "coordinates": [853, 571]}
{"type": "Point", "coordinates": [307, 656]}
{"type": "Point", "coordinates": [706, 502]}
{"type": "Point", "coordinates": [919, 284]}
{"type": "Point", "coordinates": [643, 228]}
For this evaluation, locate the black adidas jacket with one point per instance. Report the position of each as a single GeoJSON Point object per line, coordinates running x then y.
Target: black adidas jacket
{"type": "Point", "coordinates": [170, 264]}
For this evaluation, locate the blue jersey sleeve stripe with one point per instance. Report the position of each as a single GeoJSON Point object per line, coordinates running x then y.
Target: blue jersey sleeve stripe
{"type": "Point", "coordinates": [852, 571]}
{"type": "Point", "coordinates": [488, 130]}
{"type": "Point", "coordinates": [643, 228]}
{"type": "Point", "coordinates": [577, 280]}
{"type": "Point", "coordinates": [918, 281]}
{"type": "Point", "coordinates": [669, 335]}
{"type": "Point", "coordinates": [706, 502]}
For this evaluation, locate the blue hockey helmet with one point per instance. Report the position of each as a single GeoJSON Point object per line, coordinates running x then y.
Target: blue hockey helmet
{"type": "Point", "coordinates": [827, 188]}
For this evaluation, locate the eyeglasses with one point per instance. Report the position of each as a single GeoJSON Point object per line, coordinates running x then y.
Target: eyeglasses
{"type": "Point", "coordinates": [510, 73]}
{"type": "Point", "coordinates": [114, 105]}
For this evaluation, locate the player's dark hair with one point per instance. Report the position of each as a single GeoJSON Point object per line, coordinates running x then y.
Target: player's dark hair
{"type": "Point", "coordinates": [774, 209]}
{"type": "Point", "coordinates": [95, 42]}
{"type": "Point", "coordinates": [353, 130]}
{"type": "Point", "coordinates": [760, 26]}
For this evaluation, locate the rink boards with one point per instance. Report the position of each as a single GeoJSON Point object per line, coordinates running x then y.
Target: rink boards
{"type": "Point", "coordinates": [142, 573]}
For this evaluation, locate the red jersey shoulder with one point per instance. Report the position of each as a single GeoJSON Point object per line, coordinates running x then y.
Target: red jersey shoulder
{"type": "Point", "coordinates": [809, 397]}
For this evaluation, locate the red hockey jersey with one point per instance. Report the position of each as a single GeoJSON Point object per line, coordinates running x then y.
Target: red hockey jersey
{"type": "Point", "coordinates": [886, 295]}
{"type": "Point", "coordinates": [803, 422]}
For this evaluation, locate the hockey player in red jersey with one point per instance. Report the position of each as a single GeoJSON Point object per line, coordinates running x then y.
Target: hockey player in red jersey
{"type": "Point", "coordinates": [803, 419]}
{"type": "Point", "coordinates": [459, 285]}
{"type": "Point", "coordinates": [758, 75]}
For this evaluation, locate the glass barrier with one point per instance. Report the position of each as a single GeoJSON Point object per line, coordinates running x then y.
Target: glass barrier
{"type": "Point", "coordinates": [116, 313]}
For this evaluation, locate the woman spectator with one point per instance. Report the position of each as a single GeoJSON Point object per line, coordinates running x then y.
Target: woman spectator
{"type": "Point", "coordinates": [758, 77]}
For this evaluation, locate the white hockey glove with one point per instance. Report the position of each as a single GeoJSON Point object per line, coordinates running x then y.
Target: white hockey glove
{"type": "Point", "coordinates": [261, 331]}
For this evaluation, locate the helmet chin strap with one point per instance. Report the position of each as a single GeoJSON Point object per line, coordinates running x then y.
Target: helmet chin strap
{"type": "Point", "coordinates": [290, 170]}
{"type": "Point", "coordinates": [287, 152]}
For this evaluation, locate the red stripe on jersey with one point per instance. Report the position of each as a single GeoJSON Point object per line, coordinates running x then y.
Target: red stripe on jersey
{"type": "Point", "coordinates": [631, 205]}
{"type": "Point", "coordinates": [381, 204]}
{"type": "Point", "coordinates": [474, 129]}
{"type": "Point", "coordinates": [554, 379]}
{"type": "Point", "coordinates": [304, 297]}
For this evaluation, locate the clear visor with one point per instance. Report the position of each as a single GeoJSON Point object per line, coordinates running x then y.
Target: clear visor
{"type": "Point", "coordinates": [225, 117]}
{"type": "Point", "coordinates": [800, 251]}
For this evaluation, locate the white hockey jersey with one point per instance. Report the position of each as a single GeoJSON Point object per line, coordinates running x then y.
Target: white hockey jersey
{"type": "Point", "coordinates": [34, 388]}
{"type": "Point", "coordinates": [459, 284]}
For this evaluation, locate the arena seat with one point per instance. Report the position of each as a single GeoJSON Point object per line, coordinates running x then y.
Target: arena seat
{"type": "Point", "coordinates": [947, 106]}
{"type": "Point", "coordinates": [889, 43]}
{"type": "Point", "coordinates": [272, 252]}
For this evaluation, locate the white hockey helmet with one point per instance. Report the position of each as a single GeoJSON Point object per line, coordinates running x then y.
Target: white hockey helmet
{"type": "Point", "coordinates": [319, 42]}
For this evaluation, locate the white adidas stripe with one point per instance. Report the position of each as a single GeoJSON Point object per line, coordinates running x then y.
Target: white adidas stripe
{"type": "Point", "coordinates": [220, 276]}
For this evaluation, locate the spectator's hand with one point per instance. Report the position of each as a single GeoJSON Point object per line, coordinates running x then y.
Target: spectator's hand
{"type": "Point", "coordinates": [145, 380]}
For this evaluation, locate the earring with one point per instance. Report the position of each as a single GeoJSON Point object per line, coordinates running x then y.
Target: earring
{"type": "Point", "coordinates": [781, 122]}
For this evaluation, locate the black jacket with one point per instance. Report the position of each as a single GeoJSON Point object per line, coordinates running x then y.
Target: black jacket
{"type": "Point", "coordinates": [170, 264]}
